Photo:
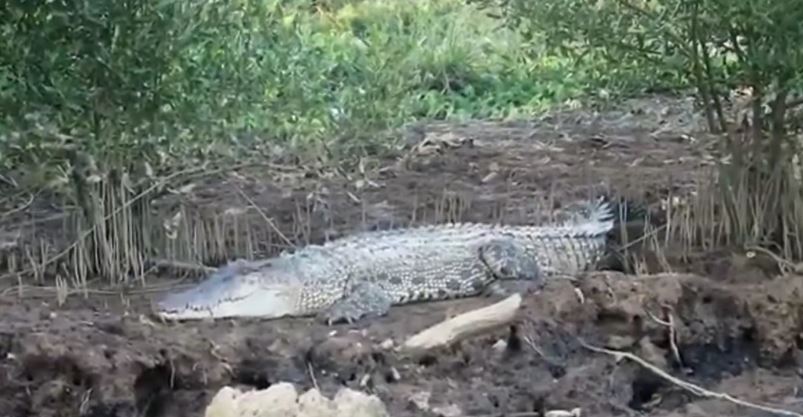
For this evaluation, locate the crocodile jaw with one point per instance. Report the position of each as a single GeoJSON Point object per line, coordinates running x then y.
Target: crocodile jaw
{"type": "Point", "coordinates": [267, 304]}
{"type": "Point", "coordinates": [227, 297]}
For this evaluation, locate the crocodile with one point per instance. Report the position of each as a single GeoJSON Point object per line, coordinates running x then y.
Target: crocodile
{"type": "Point", "coordinates": [364, 274]}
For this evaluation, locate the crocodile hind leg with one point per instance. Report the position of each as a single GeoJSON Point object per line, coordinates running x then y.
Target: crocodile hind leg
{"type": "Point", "coordinates": [508, 260]}
{"type": "Point", "coordinates": [364, 299]}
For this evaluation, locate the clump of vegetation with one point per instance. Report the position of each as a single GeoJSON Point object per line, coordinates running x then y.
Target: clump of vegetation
{"type": "Point", "coordinates": [716, 47]}
{"type": "Point", "coordinates": [176, 81]}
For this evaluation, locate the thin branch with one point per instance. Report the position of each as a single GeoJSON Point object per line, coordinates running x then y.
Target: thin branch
{"type": "Point", "coordinates": [794, 103]}
{"type": "Point", "coordinates": [167, 263]}
{"type": "Point", "coordinates": [646, 14]}
{"type": "Point", "coordinates": [265, 217]}
{"type": "Point", "coordinates": [692, 388]}
{"type": "Point", "coordinates": [736, 48]}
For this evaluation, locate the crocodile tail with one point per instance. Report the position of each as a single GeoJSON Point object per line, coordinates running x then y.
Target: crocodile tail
{"type": "Point", "coordinates": [604, 214]}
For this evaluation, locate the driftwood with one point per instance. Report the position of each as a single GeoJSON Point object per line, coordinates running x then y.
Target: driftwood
{"type": "Point", "coordinates": [465, 325]}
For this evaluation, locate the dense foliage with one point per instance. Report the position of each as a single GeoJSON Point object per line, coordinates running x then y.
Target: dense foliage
{"type": "Point", "coordinates": [717, 46]}
{"type": "Point", "coordinates": [167, 83]}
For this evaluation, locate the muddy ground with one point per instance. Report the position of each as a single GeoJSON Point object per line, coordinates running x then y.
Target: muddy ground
{"type": "Point", "coordinates": [737, 327]}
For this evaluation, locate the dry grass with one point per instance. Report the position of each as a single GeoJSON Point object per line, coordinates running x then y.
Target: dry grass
{"type": "Point", "coordinates": [742, 210]}
{"type": "Point", "coordinates": [122, 233]}
{"type": "Point", "coordinates": [127, 237]}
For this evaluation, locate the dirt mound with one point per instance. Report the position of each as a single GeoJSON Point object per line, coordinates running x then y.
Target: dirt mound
{"type": "Point", "coordinates": [59, 363]}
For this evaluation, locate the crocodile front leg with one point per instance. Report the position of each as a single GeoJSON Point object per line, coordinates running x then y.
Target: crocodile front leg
{"type": "Point", "coordinates": [508, 260]}
{"type": "Point", "coordinates": [364, 299]}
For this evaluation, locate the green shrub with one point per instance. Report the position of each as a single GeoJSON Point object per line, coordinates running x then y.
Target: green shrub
{"type": "Point", "coordinates": [184, 80]}
{"type": "Point", "coordinates": [713, 46]}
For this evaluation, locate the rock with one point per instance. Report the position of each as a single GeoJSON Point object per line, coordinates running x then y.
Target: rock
{"type": "Point", "coordinates": [451, 410]}
{"type": "Point", "coordinates": [278, 400]}
{"type": "Point", "coordinates": [282, 400]}
{"type": "Point", "coordinates": [356, 403]}
{"type": "Point", "coordinates": [224, 403]}
{"type": "Point", "coordinates": [387, 344]}
{"type": "Point", "coordinates": [421, 399]}
{"type": "Point", "coordinates": [313, 404]}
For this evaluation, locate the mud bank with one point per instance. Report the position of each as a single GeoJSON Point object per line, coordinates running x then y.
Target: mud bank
{"type": "Point", "coordinates": [743, 338]}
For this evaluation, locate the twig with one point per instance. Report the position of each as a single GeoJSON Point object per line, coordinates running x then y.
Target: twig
{"type": "Point", "coordinates": [214, 348]}
{"type": "Point", "coordinates": [528, 330]}
{"type": "Point", "coordinates": [19, 208]}
{"type": "Point", "coordinates": [657, 320]}
{"type": "Point", "coordinates": [9, 181]}
{"type": "Point", "coordinates": [265, 217]}
{"type": "Point", "coordinates": [165, 263]}
{"type": "Point", "coordinates": [550, 361]}
{"type": "Point", "coordinates": [784, 265]}
{"type": "Point", "coordinates": [673, 336]}
{"type": "Point", "coordinates": [529, 340]}
{"type": "Point", "coordinates": [312, 376]}
{"type": "Point", "coordinates": [670, 324]}
{"type": "Point", "coordinates": [692, 388]}
{"type": "Point", "coordinates": [644, 237]}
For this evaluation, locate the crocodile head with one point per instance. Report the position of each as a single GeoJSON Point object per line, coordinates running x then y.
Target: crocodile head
{"type": "Point", "coordinates": [236, 290]}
